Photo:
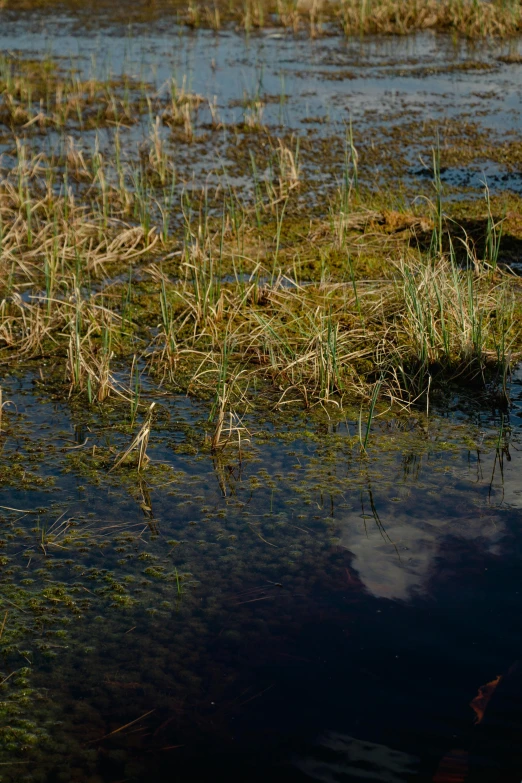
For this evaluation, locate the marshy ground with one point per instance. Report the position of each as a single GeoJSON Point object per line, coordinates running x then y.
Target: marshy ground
{"type": "Point", "coordinates": [260, 326]}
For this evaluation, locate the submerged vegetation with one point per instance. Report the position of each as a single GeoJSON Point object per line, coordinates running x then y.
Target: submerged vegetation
{"type": "Point", "coordinates": [179, 291]}
{"type": "Point", "coordinates": [110, 609]}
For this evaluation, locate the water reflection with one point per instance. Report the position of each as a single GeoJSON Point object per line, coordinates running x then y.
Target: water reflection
{"type": "Point", "coordinates": [397, 547]}
{"type": "Point", "coordinates": [353, 759]}
{"type": "Point", "coordinates": [300, 610]}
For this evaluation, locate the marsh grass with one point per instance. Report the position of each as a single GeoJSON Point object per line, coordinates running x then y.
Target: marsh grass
{"type": "Point", "coordinates": [138, 444]}
{"type": "Point", "coordinates": [470, 18]}
{"type": "Point", "coordinates": [121, 283]}
{"type": "Point", "coordinates": [109, 264]}
{"type": "Point", "coordinates": [314, 341]}
{"type": "Point", "coordinates": [45, 96]}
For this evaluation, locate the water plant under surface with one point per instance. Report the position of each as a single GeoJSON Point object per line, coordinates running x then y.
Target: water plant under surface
{"type": "Point", "coordinates": [258, 382]}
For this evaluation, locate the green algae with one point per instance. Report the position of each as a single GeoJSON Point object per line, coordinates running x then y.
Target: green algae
{"type": "Point", "coordinates": [117, 588]}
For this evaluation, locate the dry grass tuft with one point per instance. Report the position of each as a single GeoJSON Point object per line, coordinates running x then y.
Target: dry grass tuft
{"type": "Point", "coordinates": [106, 263]}
{"type": "Point", "coordinates": [470, 18]}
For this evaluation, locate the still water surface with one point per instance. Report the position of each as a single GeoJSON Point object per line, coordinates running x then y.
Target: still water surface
{"type": "Point", "coordinates": [304, 612]}
{"type": "Point", "coordinates": [336, 617]}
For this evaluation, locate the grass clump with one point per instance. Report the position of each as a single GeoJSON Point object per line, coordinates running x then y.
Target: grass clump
{"type": "Point", "coordinates": [471, 18]}
{"type": "Point", "coordinates": [119, 275]}
{"type": "Point", "coordinates": [235, 282]}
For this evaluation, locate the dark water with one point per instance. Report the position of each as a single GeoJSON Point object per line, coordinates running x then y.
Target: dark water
{"type": "Point", "coordinates": [301, 612]}
{"type": "Point", "coordinates": [336, 615]}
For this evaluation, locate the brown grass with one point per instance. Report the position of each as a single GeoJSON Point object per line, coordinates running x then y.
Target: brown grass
{"type": "Point", "coordinates": [222, 308]}
{"type": "Point", "coordinates": [471, 18]}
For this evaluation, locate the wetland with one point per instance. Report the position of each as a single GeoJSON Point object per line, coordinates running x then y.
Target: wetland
{"type": "Point", "coordinates": [260, 391]}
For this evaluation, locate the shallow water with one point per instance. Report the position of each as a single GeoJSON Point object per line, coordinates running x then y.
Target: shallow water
{"type": "Point", "coordinates": [299, 611]}
{"type": "Point", "coordinates": [388, 87]}
{"type": "Point", "coordinates": [335, 617]}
